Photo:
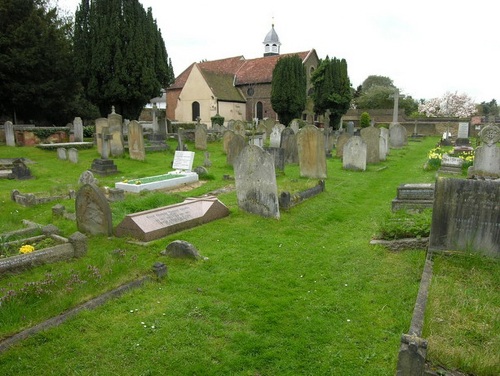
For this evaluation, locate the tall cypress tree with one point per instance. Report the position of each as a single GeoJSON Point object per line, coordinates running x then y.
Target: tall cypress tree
{"type": "Point", "coordinates": [332, 89]}
{"type": "Point", "coordinates": [288, 90]}
{"type": "Point", "coordinates": [121, 57]}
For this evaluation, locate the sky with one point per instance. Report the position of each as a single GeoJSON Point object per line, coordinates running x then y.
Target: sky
{"type": "Point", "coordinates": [427, 48]}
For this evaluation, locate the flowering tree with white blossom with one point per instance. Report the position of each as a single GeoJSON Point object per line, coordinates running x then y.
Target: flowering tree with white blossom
{"type": "Point", "coordinates": [449, 105]}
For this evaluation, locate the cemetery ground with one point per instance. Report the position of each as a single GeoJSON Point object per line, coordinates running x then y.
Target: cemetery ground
{"type": "Point", "coordinates": [303, 295]}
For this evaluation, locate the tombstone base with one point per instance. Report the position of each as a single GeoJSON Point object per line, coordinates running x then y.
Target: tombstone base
{"type": "Point", "coordinates": [103, 167]}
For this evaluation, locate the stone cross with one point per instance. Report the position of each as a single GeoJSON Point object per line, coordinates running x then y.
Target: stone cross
{"type": "Point", "coordinates": [105, 137]}
{"type": "Point", "coordinates": [396, 105]}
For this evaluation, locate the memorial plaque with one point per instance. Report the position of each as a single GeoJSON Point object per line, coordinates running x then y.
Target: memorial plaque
{"type": "Point", "coordinates": [157, 223]}
{"type": "Point", "coordinates": [463, 130]}
{"type": "Point", "coordinates": [183, 160]}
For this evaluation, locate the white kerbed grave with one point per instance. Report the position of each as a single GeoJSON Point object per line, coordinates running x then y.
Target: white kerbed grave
{"type": "Point", "coordinates": [183, 163]}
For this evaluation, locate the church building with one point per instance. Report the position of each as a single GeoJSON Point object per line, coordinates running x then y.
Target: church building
{"type": "Point", "coordinates": [234, 88]}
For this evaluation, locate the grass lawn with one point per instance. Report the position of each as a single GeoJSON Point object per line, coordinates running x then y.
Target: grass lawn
{"type": "Point", "coordinates": [303, 295]}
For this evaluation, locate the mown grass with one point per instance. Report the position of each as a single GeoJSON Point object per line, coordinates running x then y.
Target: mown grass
{"type": "Point", "coordinates": [306, 294]}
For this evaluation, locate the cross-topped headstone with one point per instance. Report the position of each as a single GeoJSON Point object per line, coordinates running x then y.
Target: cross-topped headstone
{"type": "Point", "coordinates": [396, 105]}
{"type": "Point", "coordinates": [105, 137]}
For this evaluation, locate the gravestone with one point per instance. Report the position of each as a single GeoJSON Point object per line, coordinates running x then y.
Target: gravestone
{"type": "Point", "coordinates": [20, 171]}
{"type": "Point", "coordinates": [269, 124]}
{"type": "Point", "coordinates": [73, 155]}
{"type": "Point", "coordinates": [279, 157]}
{"type": "Point", "coordinates": [115, 130]}
{"type": "Point", "coordinates": [261, 128]}
{"type": "Point", "coordinates": [466, 216]}
{"type": "Point", "coordinates": [255, 181]}
{"type": "Point", "coordinates": [62, 154]}
{"type": "Point", "coordinates": [226, 139]}
{"type": "Point", "coordinates": [10, 138]}
{"type": "Point", "coordinates": [312, 158]}
{"type": "Point", "coordinates": [207, 162]}
{"type": "Point", "coordinates": [371, 136]}
{"type": "Point", "coordinates": [87, 177]}
{"type": "Point", "coordinates": [181, 249]}
{"type": "Point", "coordinates": [384, 143]}
{"type": "Point", "coordinates": [136, 147]}
{"type": "Point", "coordinates": [355, 151]}
{"type": "Point", "coordinates": [451, 165]}
{"type": "Point", "coordinates": [350, 128]}
{"type": "Point", "coordinates": [329, 141]}
{"type": "Point", "coordinates": [275, 137]}
{"type": "Point", "coordinates": [104, 166]}
{"type": "Point", "coordinates": [77, 129]}
{"type": "Point", "coordinates": [487, 156]}
{"type": "Point", "coordinates": [236, 144]}
{"type": "Point", "coordinates": [289, 145]}
{"type": "Point", "coordinates": [200, 137]}
{"type": "Point", "coordinates": [93, 214]}
{"type": "Point", "coordinates": [463, 130]}
{"type": "Point", "coordinates": [294, 126]}
{"type": "Point", "coordinates": [100, 124]}
{"type": "Point", "coordinates": [256, 139]}
{"type": "Point", "coordinates": [340, 143]}
{"type": "Point", "coordinates": [157, 223]}
{"type": "Point", "coordinates": [183, 160]}
{"type": "Point", "coordinates": [414, 197]}
{"type": "Point", "coordinates": [397, 136]}
{"type": "Point", "coordinates": [240, 128]}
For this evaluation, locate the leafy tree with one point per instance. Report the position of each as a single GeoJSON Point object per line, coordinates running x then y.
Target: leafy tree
{"type": "Point", "coordinates": [364, 120]}
{"type": "Point", "coordinates": [449, 105]}
{"type": "Point", "coordinates": [120, 55]}
{"type": "Point", "coordinates": [374, 80]}
{"type": "Point", "coordinates": [288, 88]}
{"type": "Point", "coordinates": [332, 89]}
{"type": "Point", "coordinates": [36, 73]}
{"type": "Point", "coordinates": [490, 109]}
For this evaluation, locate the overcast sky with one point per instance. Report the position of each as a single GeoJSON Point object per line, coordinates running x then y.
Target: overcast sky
{"type": "Point", "coordinates": [427, 47]}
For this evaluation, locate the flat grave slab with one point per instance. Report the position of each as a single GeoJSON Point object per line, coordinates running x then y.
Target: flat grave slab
{"type": "Point", "coordinates": [157, 223]}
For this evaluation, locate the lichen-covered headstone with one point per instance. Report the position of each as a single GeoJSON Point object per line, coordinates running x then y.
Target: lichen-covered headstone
{"type": "Point", "coordinates": [136, 141]}
{"type": "Point", "coordinates": [371, 137]}
{"type": "Point", "coordinates": [354, 154]}
{"type": "Point", "coordinates": [312, 158]}
{"type": "Point", "coordinates": [487, 156]}
{"type": "Point", "coordinates": [93, 214]}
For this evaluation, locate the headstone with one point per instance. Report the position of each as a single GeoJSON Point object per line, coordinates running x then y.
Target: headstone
{"type": "Point", "coordinates": [236, 144]}
{"type": "Point", "coordinates": [289, 145]}
{"type": "Point", "coordinates": [226, 139]}
{"type": "Point", "coordinates": [384, 143]}
{"type": "Point", "coordinates": [354, 154]}
{"type": "Point", "coordinates": [87, 177]}
{"type": "Point", "coordinates": [207, 162]}
{"type": "Point", "coordinates": [10, 138]}
{"type": "Point", "coordinates": [136, 147]}
{"type": "Point", "coordinates": [261, 128]}
{"type": "Point", "coordinates": [371, 136]}
{"type": "Point", "coordinates": [116, 194]}
{"type": "Point", "coordinates": [340, 143]}
{"type": "Point", "coordinates": [279, 157]}
{"type": "Point", "coordinates": [451, 165]}
{"type": "Point", "coordinates": [116, 132]}
{"type": "Point", "coordinates": [269, 124]}
{"type": "Point", "coordinates": [180, 141]}
{"type": "Point", "coordinates": [73, 155]}
{"type": "Point", "coordinates": [275, 137]}
{"type": "Point", "coordinates": [486, 163]}
{"type": "Point", "coordinates": [157, 223]}
{"type": "Point", "coordinates": [200, 137]}
{"type": "Point", "coordinates": [93, 214]}
{"type": "Point", "coordinates": [62, 154]}
{"type": "Point", "coordinates": [100, 124]}
{"type": "Point", "coordinates": [466, 216]}
{"type": "Point", "coordinates": [294, 126]}
{"type": "Point", "coordinates": [329, 141]}
{"type": "Point", "coordinates": [255, 180]}
{"type": "Point", "coordinates": [312, 158]}
{"type": "Point", "coordinates": [397, 136]}
{"type": "Point", "coordinates": [77, 129]}
{"type": "Point", "coordinates": [104, 166]}
{"type": "Point", "coordinates": [240, 128]}
{"type": "Point", "coordinates": [181, 249]}
{"type": "Point", "coordinates": [395, 114]}
{"type": "Point", "coordinates": [20, 171]}
{"type": "Point", "coordinates": [350, 128]}
{"type": "Point", "coordinates": [256, 139]}
{"type": "Point", "coordinates": [183, 160]}
{"type": "Point", "coordinates": [414, 197]}
{"type": "Point", "coordinates": [463, 130]}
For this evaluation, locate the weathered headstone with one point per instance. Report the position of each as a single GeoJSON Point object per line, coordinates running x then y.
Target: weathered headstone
{"type": "Point", "coordinates": [10, 138]}
{"type": "Point", "coordinates": [240, 128]}
{"type": "Point", "coordinates": [236, 144]}
{"type": "Point", "coordinates": [414, 197]}
{"type": "Point", "coordinates": [100, 124]}
{"type": "Point", "coordinates": [350, 128]}
{"type": "Point", "coordinates": [397, 136]}
{"type": "Point", "coordinates": [87, 177]}
{"type": "Point", "coordinates": [136, 147]}
{"type": "Point", "coordinates": [226, 139]}
{"type": "Point", "coordinates": [255, 180]}
{"type": "Point", "coordinates": [93, 214]}
{"type": "Point", "coordinates": [279, 157]}
{"type": "Point", "coordinates": [73, 155]}
{"type": "Point", "coordinates": [312, 158]}
{"type": "Point", "coordinates": [181, 249]}
{"type": "Point", "coordinates": [115, 130]}
{"type": "Point", "coordinates": [487, 156]}
{"type": "Point", "coordinates": [466, 216]}
{"type": "Point", "coordinates": [340, 143]}
{"type": "Point", "coordinates": [384, 143]}
{"type": "Point", "coordinates": [200, 137]}
{"type": "Point", "coordinates": [371, 136]}
{"type": "Point", "coordinates": [62, 154]}
{"type": "Point", "coordinates": [275, 137]}
{"type": "Point", "coordinates": [294, 126]}
{"type": "Point", "coordinates": [207, 162]}
{"type": "Point", "coordinates": [160, 222]}
{"type": "Point", "coordinates": [77, 129]}
{"type": "Point", "coordinates": [20, 171]}
{"type": "Point", "coordinates": [289, 145]}
{"type": "Point", "coordinates": [354, 157]}
{"type": "Point", "coordinates": [451, 165]}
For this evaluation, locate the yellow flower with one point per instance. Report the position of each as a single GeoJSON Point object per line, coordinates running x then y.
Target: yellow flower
{"type": "Point", "coordinates": [125, 180]}
{"type": "Point", "coordinates": [138, 182]}
{"type": "Point", "coordinates": [26, 249]}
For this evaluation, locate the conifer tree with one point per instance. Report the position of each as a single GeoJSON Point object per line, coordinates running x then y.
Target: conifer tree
{"type": "Point", "coordinates": [288, 91]}
{"type": "Point", "coordinates": [120, 55]}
